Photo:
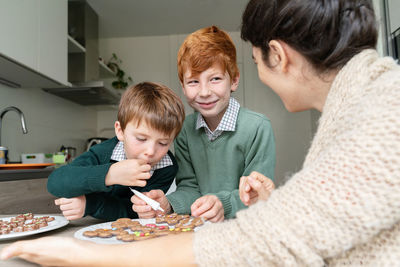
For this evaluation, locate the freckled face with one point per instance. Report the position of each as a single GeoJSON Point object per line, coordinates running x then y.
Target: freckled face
{"type": "Point", "coordinates": [143, 142]}
{"type": "Point", "coordinates": [209, 92]}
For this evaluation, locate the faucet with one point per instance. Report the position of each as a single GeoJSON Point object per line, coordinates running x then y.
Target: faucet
{"type": "Point", "coordinates": [21, 115]}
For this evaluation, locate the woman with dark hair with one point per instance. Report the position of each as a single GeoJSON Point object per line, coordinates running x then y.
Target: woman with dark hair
{"type": "Point", "coordinates": [343, 206]}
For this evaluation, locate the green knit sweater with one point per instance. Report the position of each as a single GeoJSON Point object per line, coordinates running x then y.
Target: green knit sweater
{"type": "Point", "coordinates": [86, 176]}
{"type": "Point", "coordinates": [215, 167]}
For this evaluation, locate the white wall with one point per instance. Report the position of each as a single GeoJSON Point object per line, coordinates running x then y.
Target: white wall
{"type": "Point", "coordinates": [394, 16]}
{"type": "Point", "coordinates": [378, 7]}
{"type": "Point", "coordinates": [51, 122]}
{"type": "Point", "coordinates": [154, 59]}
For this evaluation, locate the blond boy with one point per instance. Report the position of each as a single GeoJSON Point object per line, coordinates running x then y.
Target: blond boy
{"type": "Point", "coordinates": [97, 183]}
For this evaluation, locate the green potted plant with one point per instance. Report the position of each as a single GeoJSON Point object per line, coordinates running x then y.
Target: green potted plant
{"type": "Point", "coordinates": [114, 64]}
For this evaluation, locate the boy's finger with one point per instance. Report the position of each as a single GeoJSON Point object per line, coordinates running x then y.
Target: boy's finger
{"type": "Point", "coordinates": [193, 209]}
{"type": "Point", "coordinates": [214, 214]}
{"type": "Point", "coordinates": [144, 175]}
{"type": "Point", "coordinates": [200, 209]}
{"type": "Point", "coordinates": [207, 215]}
{"type": "Point", "coordinates": [69, 213]}
{"type": "Point", "coordinates": [197, 203]}
{"type": "Point", "coordinates": [154, 194]}
{"type": "Point", "coordinates": [64, 208]}
{"type": "Point", "coordinates": [144, 167]}
{"type": "Point", "coordinates": [71, 218]}
{"type": "Point", "coordinates": [147, 215]}
{"type": "Point", "coordinates": [62, 201]}
{"type": "Point", "coordinates": [141, 208]}
{"type": "Point", "coordinates": [141, 161]}
{"type": "Point", "coordinates": [137, 201]}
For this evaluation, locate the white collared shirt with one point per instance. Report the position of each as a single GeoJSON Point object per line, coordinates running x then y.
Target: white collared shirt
{"type": "Point", "coordinates": [228, 122]}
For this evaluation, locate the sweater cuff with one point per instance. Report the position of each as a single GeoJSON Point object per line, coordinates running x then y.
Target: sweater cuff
{"type": "Point", "coordinates": [97, 178]}
{"type": "Point", "coordinates": [90, 207]}
{"type": "Point", "coordinates": [225, 198]}
{"type": "Point", "coordinates": [177, 205]}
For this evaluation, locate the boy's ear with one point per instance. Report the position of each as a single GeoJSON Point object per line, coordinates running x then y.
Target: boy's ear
{"type": "Point", "coordinates": [278, 55]}
{"type": "Point", "coordinates": [118, 131]}
{"type": "Point", "coordinates": [235, 83]}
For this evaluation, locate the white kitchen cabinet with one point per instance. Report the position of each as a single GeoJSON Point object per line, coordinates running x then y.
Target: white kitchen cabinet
{"type": "Point", "coordinates": [53, 56]}
{"type": "Point", "coordinates": [19, 30]}
{"type": "Point", "coordinates": [33, 49]}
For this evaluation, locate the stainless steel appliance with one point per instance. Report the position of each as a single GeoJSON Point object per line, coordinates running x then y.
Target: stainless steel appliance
{"type": "Point", "coordinates": [94, 141]}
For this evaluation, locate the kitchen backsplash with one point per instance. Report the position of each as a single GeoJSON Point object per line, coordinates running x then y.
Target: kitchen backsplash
{"type": "Point", "coordinates": [51, 122]}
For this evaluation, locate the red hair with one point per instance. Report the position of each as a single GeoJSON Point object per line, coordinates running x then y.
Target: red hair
{"type": "Point", "coordinates": [204, 48]}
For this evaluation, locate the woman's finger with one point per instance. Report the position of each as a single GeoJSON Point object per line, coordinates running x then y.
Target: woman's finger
{"type": "Point", "coordinates": [263, 192]}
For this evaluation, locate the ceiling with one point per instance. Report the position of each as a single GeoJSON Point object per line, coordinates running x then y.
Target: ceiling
{"type": "Point", "coordinates": [127, 18]}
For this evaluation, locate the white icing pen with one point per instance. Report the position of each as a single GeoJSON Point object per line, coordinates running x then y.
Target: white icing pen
{"type": "Point", "coordinates": [153, 204]}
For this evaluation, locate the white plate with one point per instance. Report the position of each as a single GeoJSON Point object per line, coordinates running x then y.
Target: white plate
{"type": "Point", "coordinates": [112, 240]}
{"type": "Point", "coordinates": [59, 221]}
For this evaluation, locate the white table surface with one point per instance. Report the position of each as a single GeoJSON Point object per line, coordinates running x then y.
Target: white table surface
{"type": "Point", "coordinates": [67, 231]}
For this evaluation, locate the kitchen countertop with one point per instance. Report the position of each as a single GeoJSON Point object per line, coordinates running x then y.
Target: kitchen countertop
{"type": "Point", "coordinates": [66, 231]}
{"type": "Point", "coordinates": [25, 174]}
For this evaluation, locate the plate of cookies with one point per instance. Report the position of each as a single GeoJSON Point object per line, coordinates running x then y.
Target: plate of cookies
{"type": "Point", "coordinates": [29, 224]}
{"type": "Point", "coordinates": [129, 230]}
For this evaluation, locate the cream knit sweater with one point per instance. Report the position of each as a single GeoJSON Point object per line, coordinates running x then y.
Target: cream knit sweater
{"type": "Point", "coordinates": [343, 207]}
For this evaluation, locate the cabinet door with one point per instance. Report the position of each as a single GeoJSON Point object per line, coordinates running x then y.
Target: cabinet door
{"type": "Point", "coordinates": [19, 30]}
{"type": "Point", "coordinates": [52, 53]}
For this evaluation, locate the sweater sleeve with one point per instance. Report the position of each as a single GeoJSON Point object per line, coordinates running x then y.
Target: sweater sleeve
{"type": "Point", "coordinates": [347, 196]}
{"type": "Point", "coordinates": [82, 176]}
{"type": "Point", "coordinates": [260, 157]}
{"type": "Point", "coordinates": [187, 188]}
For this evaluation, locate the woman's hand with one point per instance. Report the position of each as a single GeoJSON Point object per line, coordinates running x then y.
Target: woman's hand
{"type": "Point", "coordinates": [51, 251]}
{"type": "Point", "coordinates": [254, 187]}
{"type": "Point", "coordinates": [174, 250]}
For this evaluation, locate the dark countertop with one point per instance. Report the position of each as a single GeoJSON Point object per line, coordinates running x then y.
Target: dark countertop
{"type": "Point", "coordinates": [25, 174]}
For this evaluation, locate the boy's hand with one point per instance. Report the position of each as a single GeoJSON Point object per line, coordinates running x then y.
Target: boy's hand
{"type": "Point", "coordinates": [254, 187]}
{"type": "Point", "coordinates": [144, 211]}
{"type": "Point", "coordinates": [130, 172]}
{"type": "Point", "coordinates": [72, 208]}
{"type": "Point", "coordinates": [209, 207]}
